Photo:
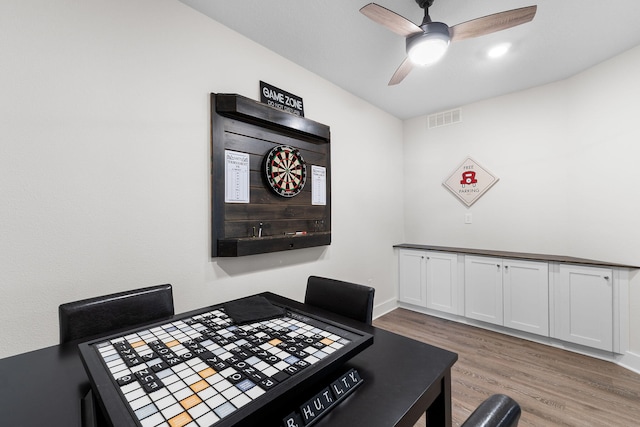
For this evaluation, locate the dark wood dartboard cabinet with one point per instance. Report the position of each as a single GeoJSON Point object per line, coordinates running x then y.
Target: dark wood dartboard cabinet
{"type": "Point", "coordinates": [269, 222]}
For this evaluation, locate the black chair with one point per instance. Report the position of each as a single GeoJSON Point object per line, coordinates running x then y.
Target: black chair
{"type": "Point", "coordinates": [343, 298]}
{"type": "Point", "coordinates": [110, 313]}
{"type": "Point", "coordinates": [496, 411]}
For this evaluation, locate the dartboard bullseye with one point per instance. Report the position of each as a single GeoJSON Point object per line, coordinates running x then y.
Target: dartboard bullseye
{"type": "Point", "coordinates": [285, 170]}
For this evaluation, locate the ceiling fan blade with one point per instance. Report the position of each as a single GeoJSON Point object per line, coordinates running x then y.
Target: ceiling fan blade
{"type": "Point", "coordinates": [492, 23]}
{"type": "Point", "coordinates": [390, 20]}
{"type": "Point", "coordinates": [401, 72]}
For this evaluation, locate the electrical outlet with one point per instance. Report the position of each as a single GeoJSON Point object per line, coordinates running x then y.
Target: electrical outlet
{"type": "Point", "coordinates": [468, 218]}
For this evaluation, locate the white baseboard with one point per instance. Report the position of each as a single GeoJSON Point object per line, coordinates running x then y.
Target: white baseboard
{"type": "Point", "coordinates": [630, 361]}
{"type": "Point", "coordinates": [385, 307]}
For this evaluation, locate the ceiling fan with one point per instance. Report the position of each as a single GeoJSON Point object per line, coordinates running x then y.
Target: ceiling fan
{"type": "Point", "coordinates": [428, 42]}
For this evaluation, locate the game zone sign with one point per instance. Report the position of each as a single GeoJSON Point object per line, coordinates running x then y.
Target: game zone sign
{"type": "Point", "coordinates": [281, 99]}
{"type": "Point", "coordinates": [470, 181]}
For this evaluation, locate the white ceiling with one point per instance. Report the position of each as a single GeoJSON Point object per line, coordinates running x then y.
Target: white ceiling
{"type": "Point", "coordinates": [334, 40]}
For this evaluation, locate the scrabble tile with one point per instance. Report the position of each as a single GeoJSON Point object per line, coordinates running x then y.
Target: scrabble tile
{"type": "Point", "coordinates": [199, 386]}
{"type": "Point", "coordinates": [180, 420]}
{"type": "Point", "coordinates": [190, 401]}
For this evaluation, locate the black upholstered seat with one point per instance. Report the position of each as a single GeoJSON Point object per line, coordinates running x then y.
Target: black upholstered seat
{"type": "Point", "coordinates": [102, 315]}
{"type": "Point", "coordinates": [496, 411]}
{"type": "Point", "coordinates": [343, 298]}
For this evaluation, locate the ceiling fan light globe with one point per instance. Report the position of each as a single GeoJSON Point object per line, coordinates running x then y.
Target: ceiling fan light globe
{"type": "Point", "coordinates": [428, 51]}
{"type": "Point", "coordinates": [429, 47]}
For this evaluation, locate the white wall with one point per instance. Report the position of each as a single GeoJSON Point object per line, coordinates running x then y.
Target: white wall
{"type": "Point", "coordinates": [566, 155]}
{"type": "Point", "coordinates": [514, 145]}
{"type": "Point", "coordinates": [104, 182]}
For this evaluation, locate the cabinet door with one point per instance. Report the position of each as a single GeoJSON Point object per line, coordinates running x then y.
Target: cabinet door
{"type": "Point", "coordinates": [483, 289]}
{"type": "Point", "coordinates": [413, 279]}
{"type": "Point", "coordinates": [584, 306]}
{"type": "Point", "coordinates": [442, 282]}
{"type": "Point", "coordinates": [526, 296]}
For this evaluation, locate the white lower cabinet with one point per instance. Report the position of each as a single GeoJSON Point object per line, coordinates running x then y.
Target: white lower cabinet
{"type": "Point", "coordinates": [483, 289]}
{"type": "Point", "coordinates": [442, 282]}
{"type": "Point", "coordinates": [575, 303]}
{"type": "Point", "coordinates": [508, 292]}
{"type": "Point", "coordinates": [413, 277]}
{"type": "Point", "coordinates": [583, 298]}
{"type": "Point", "coordinates": [429, 279]}
{"type": "Point", "coordinates": [526, 296]}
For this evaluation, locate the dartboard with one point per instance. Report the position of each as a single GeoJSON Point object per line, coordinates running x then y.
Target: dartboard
{"type": "Point", "coordinates": [285, 170]}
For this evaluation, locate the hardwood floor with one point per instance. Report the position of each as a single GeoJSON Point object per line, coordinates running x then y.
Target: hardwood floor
{"type": "Point", "coordinates": [554, 387]}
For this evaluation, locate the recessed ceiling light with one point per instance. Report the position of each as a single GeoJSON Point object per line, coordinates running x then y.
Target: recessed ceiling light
{"type": "Point", "coordinates": [499, 50]}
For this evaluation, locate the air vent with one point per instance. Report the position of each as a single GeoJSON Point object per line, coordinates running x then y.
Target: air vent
{"type": "Point", "coordinates": [444, 118]}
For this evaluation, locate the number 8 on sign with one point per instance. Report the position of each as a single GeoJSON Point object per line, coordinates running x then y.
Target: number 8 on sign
{"type": "Point", "coordinates": [285, 170]}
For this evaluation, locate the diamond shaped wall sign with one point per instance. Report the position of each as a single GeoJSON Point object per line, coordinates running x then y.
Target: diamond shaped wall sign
{"type": "Point", "coordinates": [470, 181]}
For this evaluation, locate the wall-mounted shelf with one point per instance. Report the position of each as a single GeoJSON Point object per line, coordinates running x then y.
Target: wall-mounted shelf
{"type": "Point", "coordinates": [250, 111]}
{"type": "Point", "coordinates": [243, 125]}
{"type": "Point", "coordinates": [258, 245]}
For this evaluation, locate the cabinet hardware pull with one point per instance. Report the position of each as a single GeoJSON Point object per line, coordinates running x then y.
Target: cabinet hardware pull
{"type": "Point", "coordinates": [606, 277]}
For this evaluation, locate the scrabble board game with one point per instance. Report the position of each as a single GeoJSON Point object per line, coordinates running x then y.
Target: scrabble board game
{"type": "Point", "coordinates": [203, 370]}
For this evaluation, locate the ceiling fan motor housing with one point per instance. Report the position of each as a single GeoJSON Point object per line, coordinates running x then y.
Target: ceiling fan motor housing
{"type": "Point", "coordinates": [429, 46]}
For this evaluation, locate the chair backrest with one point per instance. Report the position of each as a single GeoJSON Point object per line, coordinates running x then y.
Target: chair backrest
{"type": "Point", "coordinates": [496, 411]}
{"type": "Point", "coordinates": [104, 314]}
{"type": "Point", "coordinates": [344, 298]}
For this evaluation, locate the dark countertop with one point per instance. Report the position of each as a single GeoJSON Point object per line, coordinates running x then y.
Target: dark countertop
{"type": "Point", "coordinates": [515, 255]}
